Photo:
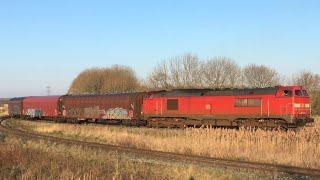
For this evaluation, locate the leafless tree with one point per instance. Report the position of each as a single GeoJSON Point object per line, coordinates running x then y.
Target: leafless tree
{"type": "Point", "coordinates": [188, 71]}
{"type": "Point", "coordinates": [260, 76]}
{"type": "Point", "coordinates": [176, 72]}
{"type": "Point", "coordinates": [307, 79]}
{"type": "Point", "coordinates": [311, 82]}
{"type": "Point", "coordinates": [221, 72]}
{"type": "Point", "coordinates": [184, 71]}
{"type": "Point", "coordinates": [159, 78]}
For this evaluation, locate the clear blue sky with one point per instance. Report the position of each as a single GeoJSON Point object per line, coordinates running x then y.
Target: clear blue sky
{"type": "Point", "coordinates": [46, 42]}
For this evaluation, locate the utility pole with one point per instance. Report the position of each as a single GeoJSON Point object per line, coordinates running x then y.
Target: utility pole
{"type": "Point", "coordinates": [48, 90]}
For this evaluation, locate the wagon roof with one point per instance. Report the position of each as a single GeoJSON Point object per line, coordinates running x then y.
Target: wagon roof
{"type": "Point", "coordinates": [41, 98]}
{"type": "Point", "coordinates": [110, 94]}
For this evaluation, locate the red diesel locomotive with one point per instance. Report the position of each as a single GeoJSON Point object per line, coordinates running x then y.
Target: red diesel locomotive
{"type": "Point", "coordinates": [281, 106]}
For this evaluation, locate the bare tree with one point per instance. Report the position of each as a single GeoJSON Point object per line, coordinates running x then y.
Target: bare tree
{"type": "Point", "coordinates": [184, 71]}
{"type": "Point", "coordinates": [260, 76]}
{"type": "Point", "coordinates": [105, 80]}
{"type": "Point", "coordinates": [221, 72]}
{"type": "Point", "coordinates": [159, 78]}
{"type": "Point", "coordinates": [307, 79]}
{"type": "Point", "coordinates": [311, 82]}
{"type": "Point", "coordinates": [188, 71]}
{"type": "Point", "coordinates": [176, 72]}
{"type": "Point", "coordinates": [315, 102]}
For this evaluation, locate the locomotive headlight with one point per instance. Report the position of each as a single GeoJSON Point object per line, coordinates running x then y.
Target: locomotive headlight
{"type": "Point", "coordinates": [297, 105]}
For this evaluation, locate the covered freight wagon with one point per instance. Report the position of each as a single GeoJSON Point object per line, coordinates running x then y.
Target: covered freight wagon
{"type": "Point", "coordinates": [41, 106]}
{"type": "Point", "coordinates": [121, 107]}
{"type": "Point", "coordinates": [15, 107]}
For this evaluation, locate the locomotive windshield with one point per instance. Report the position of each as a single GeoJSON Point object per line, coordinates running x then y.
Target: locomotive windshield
{"type": "Point", "coordinates": [301, 93]}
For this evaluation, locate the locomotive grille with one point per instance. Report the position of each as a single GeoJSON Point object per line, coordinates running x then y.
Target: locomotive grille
{"type": "Point", "coordinates": [172, 104]}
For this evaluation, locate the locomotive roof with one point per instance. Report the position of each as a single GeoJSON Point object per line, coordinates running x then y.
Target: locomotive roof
{"type": "Point", "coordinates": [217, 92]}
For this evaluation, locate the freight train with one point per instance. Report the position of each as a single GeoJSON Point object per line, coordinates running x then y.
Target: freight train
{"type": "Point", "coordinates": [272, 107]}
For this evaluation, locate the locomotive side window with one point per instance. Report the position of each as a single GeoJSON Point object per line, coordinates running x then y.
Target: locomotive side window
{"type": "Point", "coordinates": [254, 102]}
{"type": "Point", "coordinates": [172, 104]}
{"type": "Point", "coordinates": [250, 102]}
{"type": "Point", "coordinates": [241, 102]}
{"type": "Point", "coordinates": [298, 93]}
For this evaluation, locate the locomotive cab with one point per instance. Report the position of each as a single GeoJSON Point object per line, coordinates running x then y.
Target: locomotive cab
{"type": "Point", "coordinates": [302, 106]}
{"type": "Point", "coordinates": [295, 103]}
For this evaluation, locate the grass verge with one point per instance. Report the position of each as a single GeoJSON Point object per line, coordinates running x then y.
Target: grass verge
{"type": "Point", "coordinates": [29, 159]}
{"type": "Point", "coordinates": [301, 148]}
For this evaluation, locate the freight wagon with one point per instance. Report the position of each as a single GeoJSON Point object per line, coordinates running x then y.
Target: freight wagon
{"type": "Point", "coordinates": [121, 108]}
{"type": "Point", "coordinates": [40, 107]}
{"type": "Point", "coordinates": [15, 107]}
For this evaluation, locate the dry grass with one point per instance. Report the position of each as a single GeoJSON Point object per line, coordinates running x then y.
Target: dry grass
{"type": "Point", "coordinates": [300, 148]}
{"type": "Point", "coordinates": [21, 159]}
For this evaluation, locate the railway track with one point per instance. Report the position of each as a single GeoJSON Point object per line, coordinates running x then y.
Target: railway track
{"type": "Point", "coordinates": [211, 162]}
